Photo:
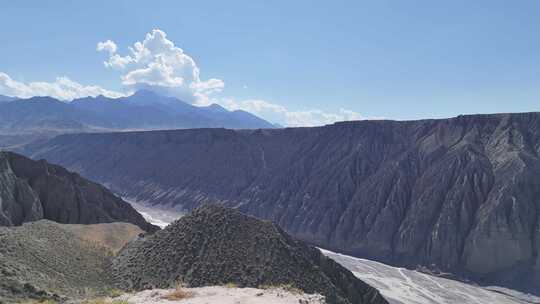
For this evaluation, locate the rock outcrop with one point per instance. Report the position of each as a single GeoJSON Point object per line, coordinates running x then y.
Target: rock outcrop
{"type": "Point", "coordinates": [458, 195]}
{"type": "Point", "coordinates": [214, 245]}
{"type": "Point", "coordinates": [32, 190]}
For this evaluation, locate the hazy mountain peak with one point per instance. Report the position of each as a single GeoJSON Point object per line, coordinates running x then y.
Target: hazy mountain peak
{"type": "Point", "coordinates": [4, 98]}
{"type": "Point", "coordinates": [147, 97]}
{"type": "Point", "coordinates": [145, 93]}
{"type": "Point", "coordinates": [216, 108]}
{"type": "Point", "coordinates": [43, 117]}
{"type": "Point", "coordinates": [45, 99]}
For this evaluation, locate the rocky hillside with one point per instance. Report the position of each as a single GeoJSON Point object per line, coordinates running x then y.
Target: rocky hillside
{"type": "Point", "coordinates": [214, 245]}
{"type": "Point", "coordinates": [32, 190]}
{"type": "Point", "coordinates": [458, 195]}
{"type": "Point", "coordinates": [112, 236]}
{"type": "Point", "coordinates": [45, 260]}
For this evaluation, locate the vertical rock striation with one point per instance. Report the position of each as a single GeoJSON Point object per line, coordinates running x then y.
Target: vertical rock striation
{"type": "Point", "coordinates": [32, 190]}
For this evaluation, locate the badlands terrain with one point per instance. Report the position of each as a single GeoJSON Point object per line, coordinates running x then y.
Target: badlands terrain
{"type": "Point", "coordinates": [397, 285]}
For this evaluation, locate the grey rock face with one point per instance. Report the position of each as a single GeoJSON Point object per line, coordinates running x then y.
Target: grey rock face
{"type": "Point", "coordinates": [32, 190]}
{"type": "Point", "coordinates": [214, 245]}
{"type": "Point", "coordinates": [18, 202]}
{"type": "Point", "coordinates": [458, 195]}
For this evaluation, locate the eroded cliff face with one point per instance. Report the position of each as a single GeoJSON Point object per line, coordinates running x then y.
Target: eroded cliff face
{"type": "Point", "coordinates": [459, 195]}
{"type": "Point", "coordinates": [18, 202]}
{"type": "Point", "coordinates": [32, 190]}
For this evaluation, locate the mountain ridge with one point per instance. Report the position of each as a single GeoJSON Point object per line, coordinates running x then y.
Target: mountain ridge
{"type": "Point", "coordinates": [25, 120]}
{"type": "Point", "coordinates": [455, 195]}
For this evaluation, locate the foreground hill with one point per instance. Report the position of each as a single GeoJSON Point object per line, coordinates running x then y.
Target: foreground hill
{"type": "Point", "coordinates": [47, 260]}
{"type": "Point", "coordinates": [458, 195]}
{"type": "Point", "coordinates": [33, 190]}
{"type": "Point", "coordinates": [63, 262]}
{"type": "Point", "coordinates": [404, 286]}
{"type": "Point", "coordinates": [26, 120]}
{"type": "Point", "coordinates": [215, 245]}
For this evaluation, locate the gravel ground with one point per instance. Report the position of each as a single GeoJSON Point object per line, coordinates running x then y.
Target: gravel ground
{"type": "Point", "coordinates": [224, 295]}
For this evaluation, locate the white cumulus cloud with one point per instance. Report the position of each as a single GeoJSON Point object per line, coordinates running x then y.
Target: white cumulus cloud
{"type": "Point", "coordinates": [108, 46]}
{"type": "Point", "coordinates": [282, 115]}
{"type": "Point", "coordinates": [62, 88]}
{"type": "Point", "coordinates": [157, 64]}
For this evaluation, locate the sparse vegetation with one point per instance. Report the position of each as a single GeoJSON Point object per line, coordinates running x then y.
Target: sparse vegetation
{"type": "Point", "coordinates": [96, 301]}
{"type": "Point", "coordinates": [113, 292]}
{"type": "Point", "coordinates": [287, 287]}
{"type": "Point", "coordinates": [178, 293]}
{"type": "Point", "coordinates": [230, 285]}
{"type": "Point", "coordinates": [43, 262]}
{"type": "Point", "coordinates": [105, 301]}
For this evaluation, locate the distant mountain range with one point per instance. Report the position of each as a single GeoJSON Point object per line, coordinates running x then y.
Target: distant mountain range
{"type": "Point", "coordinates": [459, 195]}
{"type": "Point", "coordinates": [7, 98]}
{"type": "Point", "coordinates": [26, 120]}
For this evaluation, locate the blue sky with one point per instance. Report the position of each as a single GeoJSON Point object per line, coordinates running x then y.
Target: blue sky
{"type": "Point", "coordinates": [294, 62]}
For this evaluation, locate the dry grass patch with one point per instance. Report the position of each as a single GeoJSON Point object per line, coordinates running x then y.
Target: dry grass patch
{"type": "Point", "coordinates": [105, 301]}
{"type": "Point", "coordinates": [230, 285]}
{"type": "Point", "coordinates": [178, 293]}
{"type": "Point", "coordinates": [114, 293]}
{"type": "Point", "coordinates": [96, 301]}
